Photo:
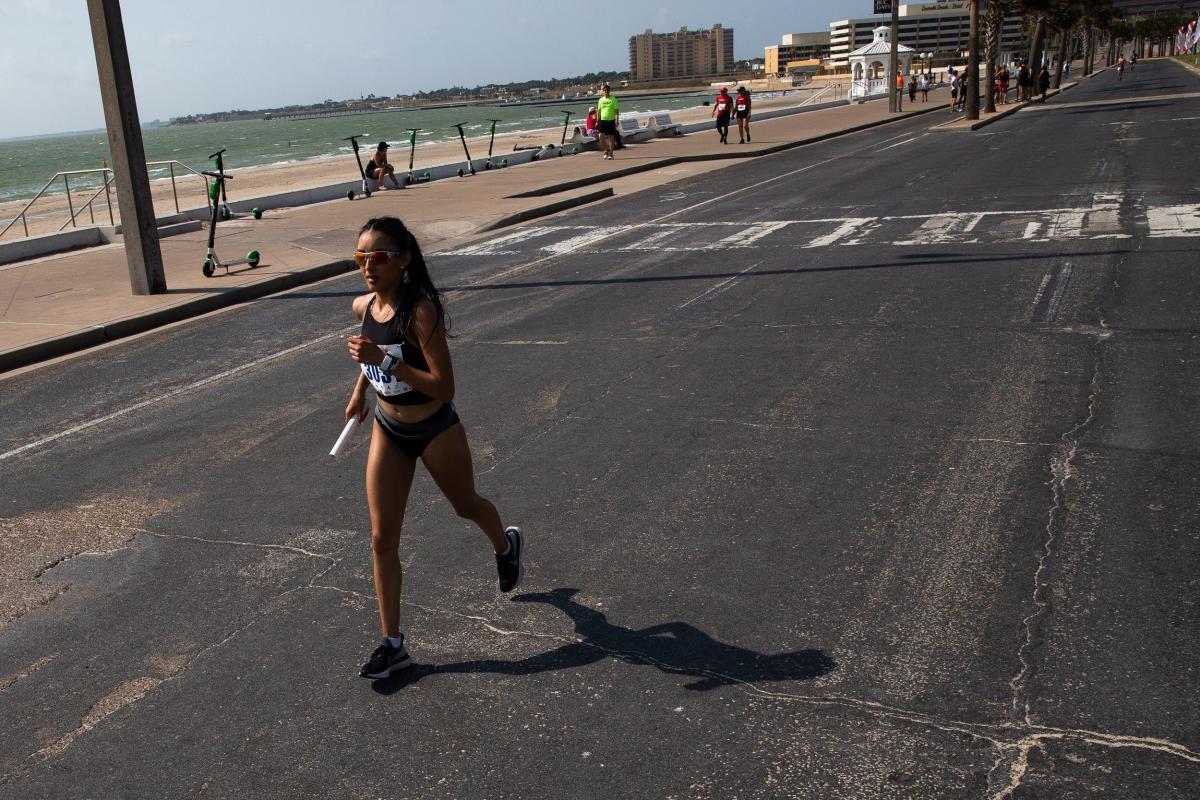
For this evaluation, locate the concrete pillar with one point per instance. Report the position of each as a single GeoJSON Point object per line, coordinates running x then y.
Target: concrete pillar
{"type": "Point", "coordinates": [146, 274]}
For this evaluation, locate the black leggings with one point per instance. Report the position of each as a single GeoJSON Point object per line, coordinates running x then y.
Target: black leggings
{"type": "Point", "coordinates": [413, 437]}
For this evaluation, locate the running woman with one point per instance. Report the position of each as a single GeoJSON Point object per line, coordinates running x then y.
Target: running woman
{"type": "Point", "coordinates": [404, 356]}
{"type": "Point", "coordinates": [741, 109]}
{"type": "Point", "coordinates": [721, 110]}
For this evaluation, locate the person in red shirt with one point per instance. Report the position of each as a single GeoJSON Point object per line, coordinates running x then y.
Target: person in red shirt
{"type": "Point", "coordinates": [741, 110]}
{"type": "Point", "coordinates": [590, 128]}
{"type": "Point", "coordinates": [721, 110]}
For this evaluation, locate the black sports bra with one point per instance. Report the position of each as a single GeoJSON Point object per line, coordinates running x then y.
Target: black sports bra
{"type": "Point", "coordinates": [390, 336]}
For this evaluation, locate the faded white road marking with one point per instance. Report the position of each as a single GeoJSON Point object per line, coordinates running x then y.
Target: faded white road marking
{"type": "Point", "coordinates": [1167, 221]}
{"type": "Point", "coordinates": [1101, 220]}
{"type": "Point", "coordinates": [897, 144]}
{"type": "Point", "coordinates": [843, 231]}
{"type": "Point", "coordinates": [720, 287]}
{"type": "Point", "coordinates": [1050, 294]}
{"type": "Point", "coordinates": [191, 387]}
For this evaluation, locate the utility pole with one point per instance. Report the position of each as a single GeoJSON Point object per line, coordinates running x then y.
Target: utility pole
{"type": "Point", "coordinates": [894, 59]}
{"type": "Point", "coordinates": [972, 106]}
{"type": "Point", "coordinates": [138, 223]}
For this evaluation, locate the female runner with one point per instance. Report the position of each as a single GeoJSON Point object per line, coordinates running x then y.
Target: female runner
{"type": "Point", "coordinates": [404, 357]}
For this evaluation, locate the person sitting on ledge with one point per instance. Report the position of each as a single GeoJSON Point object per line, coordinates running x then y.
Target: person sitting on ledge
{"type": "Point", "coordinates": [378, 167]}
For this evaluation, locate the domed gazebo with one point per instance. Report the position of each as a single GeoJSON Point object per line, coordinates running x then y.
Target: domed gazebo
{"type": "Point", "coordinates": [869, 65]}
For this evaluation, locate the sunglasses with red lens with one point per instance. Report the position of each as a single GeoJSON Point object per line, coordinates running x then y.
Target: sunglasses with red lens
{"type": "Point", "coordinates": [375, 257]}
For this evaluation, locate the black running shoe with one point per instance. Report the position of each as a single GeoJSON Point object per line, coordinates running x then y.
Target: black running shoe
{"type": "Point", "coordinates": [509, 565]}
{"type": "Point", "coordinates": [386, 660]}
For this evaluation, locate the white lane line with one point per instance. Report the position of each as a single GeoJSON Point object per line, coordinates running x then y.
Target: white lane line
{"type": "Point", "coordinates": [897, 144]}
{"type": "Point", "coordinates": [720, 287]}
{"type": "Point", "coordinates": [1031, 230]}
{"type": "Point", "coordinates": [1050, 294]}
{"type": "Point", "coordinates": [191, 387]}
{"type": "Point", "coordinates": [757, 231]}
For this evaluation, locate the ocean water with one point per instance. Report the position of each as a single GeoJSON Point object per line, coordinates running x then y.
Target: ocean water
{"type": "Point", "coordinates": [27, 164]}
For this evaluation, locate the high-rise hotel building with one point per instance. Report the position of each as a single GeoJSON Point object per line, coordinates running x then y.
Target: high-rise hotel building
{"type": "Point", "coordinates": [683, 54]}
{"type": "Point", "coordinates": [938, 28]}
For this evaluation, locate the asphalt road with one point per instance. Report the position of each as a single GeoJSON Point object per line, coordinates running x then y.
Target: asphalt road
{"type": "Point", "coordinates": [866, 470]}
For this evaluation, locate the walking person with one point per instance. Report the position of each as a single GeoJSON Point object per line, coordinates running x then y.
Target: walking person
{"type": "Point", "coordinates": [1024, 83]}
{"type": "Point", "coordinates": [953, 90]}
{"type": "Point", "coordinates": [741, 109]}
{"type": "Point", "coordinates": [722, 107]}
{"type": "Point", "coordinates": [403, 353]}
{"type": "Point", "coordinates": [924, 85]}
{"type": "Point", "coordinates": [607, 109]}
{"type": "Point", "coordinates": [912, 89]}
{"type": "Point", "coordinates": [1043, 80]}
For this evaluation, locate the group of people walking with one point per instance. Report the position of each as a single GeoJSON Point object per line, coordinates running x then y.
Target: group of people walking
{"type": "Point", "coordinates": [725, 107]}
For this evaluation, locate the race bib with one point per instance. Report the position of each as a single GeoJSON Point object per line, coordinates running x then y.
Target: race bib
{"type": "Point", "coordinates": [386, 385]}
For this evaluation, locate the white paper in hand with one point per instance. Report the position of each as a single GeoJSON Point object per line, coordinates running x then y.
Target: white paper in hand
{"type": "Point", "coordinates": [340, 445]}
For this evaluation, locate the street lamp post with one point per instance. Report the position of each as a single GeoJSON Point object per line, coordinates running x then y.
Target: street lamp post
{"type": "Point", "coordinates": [972, 106]}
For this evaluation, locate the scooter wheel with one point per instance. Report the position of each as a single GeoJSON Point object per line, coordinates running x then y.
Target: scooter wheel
{"type": "Point", "coordinates": [366, 192]}
{"type": "Point", "coordinates": [487, 165]}
{"type": "Point", "coordinates": [257, 213]}
{"type": "Point", "coordinates": [208, 269]}
{"type": "Point", "coordinates": [252, 258]}
{"type": "Point", "coordinates": [460, 173]}
{"type": "Point", "coordinates": [350, 195]}
{"type": "Point", "coordinates": [226, 213]}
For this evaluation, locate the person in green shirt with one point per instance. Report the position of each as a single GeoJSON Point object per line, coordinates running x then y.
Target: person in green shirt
{"type": "Point", "coordinates": [607, 110]}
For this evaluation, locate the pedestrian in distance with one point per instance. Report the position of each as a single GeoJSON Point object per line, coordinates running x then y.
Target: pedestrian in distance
{"type": "Point", "coordinates": [722, 108]}
{"type": "Point", "coordinates": [378, 167]}
{"type": "Point", "coordinates": [741, 109]}
{"type": "Point", "coordinates": [1043, 80]}
{"type": "Point", "coordinates": [899, 90]}
{"type": "Point", "coordinates": [912, 89]}
{"type": "Point", "coordinates": [953, 90]}
{"type": "Point", "coordinates": [1121, 67]}
{"type": "Point", "coordinates": [607, 109]}
{"type": "Point", "coordinates": [404, 356]}
{"type": "Point", "coordinates": [590, 128]}
{"type": "Point", "coordinates": [1024, 83]}
{"type": "Point", "coordinates": [924, 86]}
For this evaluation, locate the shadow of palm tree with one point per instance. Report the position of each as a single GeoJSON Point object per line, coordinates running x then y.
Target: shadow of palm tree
{"type": "Point", "coordinates": [675, 648]}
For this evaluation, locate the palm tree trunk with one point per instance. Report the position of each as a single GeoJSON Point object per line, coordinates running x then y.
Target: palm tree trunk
{"type": "Point", "coordinates": [994, 21]}
{"type": "Point", "coordinates": [1063, 54]}
{"type": "Point", "coordinates": [1089, 50]}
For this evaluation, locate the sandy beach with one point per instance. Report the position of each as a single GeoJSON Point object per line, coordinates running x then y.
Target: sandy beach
{"type": "Point", "coordinates": [51, 213]}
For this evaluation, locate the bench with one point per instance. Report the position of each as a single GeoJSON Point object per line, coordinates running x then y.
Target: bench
{"type": "Point", "coordinates": [584, 141]}
{"type": "Point", "coordinates": [661, 125]}
{"type": "Point", "coordinates": [631, 131]}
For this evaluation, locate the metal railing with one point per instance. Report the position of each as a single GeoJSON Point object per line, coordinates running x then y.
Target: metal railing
{"type": "Point", "coordinates": [107, 178]}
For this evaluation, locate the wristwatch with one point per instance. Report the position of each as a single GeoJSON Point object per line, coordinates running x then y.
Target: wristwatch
{"type": "Point", "coordinates": [388, 364]}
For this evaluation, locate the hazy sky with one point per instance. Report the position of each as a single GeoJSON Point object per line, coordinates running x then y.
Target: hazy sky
{"type": "Point", "coordinates": [276, 52]}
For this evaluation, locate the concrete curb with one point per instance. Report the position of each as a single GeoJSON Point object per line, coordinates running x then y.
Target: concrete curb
{"type": "Point", "coordinates": [983, 123]}
{"type": "Point", "coordinates": [673, 160]}
{"type": "Point", "coordinates": [140, 323]}
{"type": "Point", "coordinates": [94, 335]}
{"type": "Point", "coordinates": [548, 209]}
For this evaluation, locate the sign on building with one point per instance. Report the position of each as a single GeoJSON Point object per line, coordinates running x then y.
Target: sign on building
{"type": "Point", "coordinates": [883, 6]}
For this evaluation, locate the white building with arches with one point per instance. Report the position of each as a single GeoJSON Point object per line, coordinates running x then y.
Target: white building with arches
{"type": "Point", "coordinates": [869, 65]}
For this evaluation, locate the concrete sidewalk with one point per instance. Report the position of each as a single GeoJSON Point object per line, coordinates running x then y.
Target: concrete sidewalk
{"type": "Point", "coordinates": [62, 303]}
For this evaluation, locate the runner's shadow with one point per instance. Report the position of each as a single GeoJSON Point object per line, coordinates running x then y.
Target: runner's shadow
{"type": "Point", "coordinates": [675, 648]}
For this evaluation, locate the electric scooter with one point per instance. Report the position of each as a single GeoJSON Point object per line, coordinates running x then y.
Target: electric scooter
{"type": "Point", "coordinates": [219, 166]}
{"type": "Point", "coordinates": [216, 193]}
{"type": "Point", "coordinates": [353, 140]}
{"type": "Point", "coordinates": [488, 164]}
{"type": "Point", "coordinates": [412, 153]}
{"type": "Point", "coordinates": [462, 137]}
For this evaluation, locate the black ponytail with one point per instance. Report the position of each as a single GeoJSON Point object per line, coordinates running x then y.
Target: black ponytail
{"type": "Point", "coordinates": [416, 283]}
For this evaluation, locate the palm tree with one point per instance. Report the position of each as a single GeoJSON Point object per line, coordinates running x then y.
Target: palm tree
{"type": "Point", "coordinates": [993, 23]}
{"type": "Point", "coordinates": [1064, 16]}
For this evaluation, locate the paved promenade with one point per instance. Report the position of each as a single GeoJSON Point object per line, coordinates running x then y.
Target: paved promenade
{"type": "Point", "coordinates": [64, 302]}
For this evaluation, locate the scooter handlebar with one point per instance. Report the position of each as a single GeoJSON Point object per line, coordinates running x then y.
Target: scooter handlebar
{"type": "Point", "coordinates": [222, 150]}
